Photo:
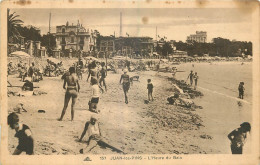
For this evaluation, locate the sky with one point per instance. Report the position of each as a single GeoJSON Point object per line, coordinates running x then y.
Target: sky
{"type": "Point", "coordinates": [175, 24]}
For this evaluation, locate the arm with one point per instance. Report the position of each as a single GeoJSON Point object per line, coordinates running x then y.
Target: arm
{"type": "Point", "coordinates": [84, 131]}
{"type": "Point", "coordinates": [64, 84]}
{"type": "Point", "coordinates": [88, 75]}
{"type": "Point", "coordinates": [121, 79]}
{"type": "Point", "coordinates": [78, 85]}
{"type": "Point", "coordinates": [102, 90]}
{"type": "Point", "coordinates": [231, 136]}
{"type": "Point", "coordinates": [99, 130]}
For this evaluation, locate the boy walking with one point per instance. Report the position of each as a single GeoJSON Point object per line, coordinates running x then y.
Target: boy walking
{"type": "Point", "coordinates": [23, 133]}
{"type": "Point", "coordinates": [150, 90]}
{"type": "Point", "coordinates": [238, 138]}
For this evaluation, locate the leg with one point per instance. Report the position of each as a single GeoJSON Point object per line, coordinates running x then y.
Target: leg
{"type": "Point", "coordinates": [126, 100]}
{"type": "Point", "coordinates": [66, 102]}
{"type": "Point", "coordinates": [17, 152]}
{"type": "Point", "coordinates": [92, 144]}
{"type": "Point", "coordinates": [152, 95]}
{"type": "Point", "coordinates": [148, 96]}
{"type": "Point", "coordinates": [72, 107]}
{"type": "Point", "coordinates": [104, 83]}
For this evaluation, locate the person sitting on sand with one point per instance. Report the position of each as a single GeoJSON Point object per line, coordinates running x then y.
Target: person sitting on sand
{"type": "Point", "coordinates": [93, 133]}
{"type": "Point", "coordinates": [238, 138]}
{"type": "Point", "coordinates": [23, 133]}
{"type": "Point", "coordinates": [196, 77]}
{"type": "Point", "coordinates": [191, 76]}
{"type": "Point", "coordinates": [150, 89]}
{"type": "Point", "coordinates": [73, 88]}
{"type": "Point", "coordinates": [241, 90]}
{"type": "Point", "coordinates": [126, 84]}
{"type": "Point", "coordinates": [94, 136]}
{"type": "Point", "coordinates": [28, 85]}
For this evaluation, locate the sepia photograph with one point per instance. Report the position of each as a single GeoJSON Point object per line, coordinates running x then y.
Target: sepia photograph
{"type": "Point", "coordinates": [98, 81]}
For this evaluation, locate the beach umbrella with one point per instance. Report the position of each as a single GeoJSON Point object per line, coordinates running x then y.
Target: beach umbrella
{"type": "Point", "coordinates": [19, 54]}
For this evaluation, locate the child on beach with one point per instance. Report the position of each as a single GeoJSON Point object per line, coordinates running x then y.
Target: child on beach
{"type": "Point", "coordinates": [23, 133]}
{"type": "Point", "coordinates": [241, 90]}
{"type": "Point", "coordinates": [95, 95]}
{"type": "Point", "coordinates": [150, 89]}
{"type": "Point", "coordinates": [238, 138]}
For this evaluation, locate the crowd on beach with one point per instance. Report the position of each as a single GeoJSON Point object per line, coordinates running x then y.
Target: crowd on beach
{"type": "Point", "coordinates": [97, 73]}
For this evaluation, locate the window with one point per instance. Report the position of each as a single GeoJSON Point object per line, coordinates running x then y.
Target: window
{"type": "Point", "coordinates": [81, 39]}
{"type": "Point", "coordinates": [63, 40]}
{"type": "Point", "coordinates": [72, 39]}
{"type": "Point", "coordinates": [63, 30]}
{"type": "Point", "coordinates": [62, 47]}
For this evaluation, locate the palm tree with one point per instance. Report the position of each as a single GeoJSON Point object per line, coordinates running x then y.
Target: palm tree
{"type": "Point", "coordinates": [13, 25]}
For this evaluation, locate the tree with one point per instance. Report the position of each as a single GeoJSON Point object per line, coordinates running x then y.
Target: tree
{"type": "Point", "coordinates": [166, 49]}
{"type": "Point", "coordinates": [48, 40]}
{"type": "Point", "coordinates": [13, 26]}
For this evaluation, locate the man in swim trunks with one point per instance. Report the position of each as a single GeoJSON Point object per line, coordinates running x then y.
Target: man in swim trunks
{"type": "Point", "coordinates": [71, 92]}
{"type": "Point", "coordinates": [93, 71]}
{"type": "Point", "coordinates": [126, 84]}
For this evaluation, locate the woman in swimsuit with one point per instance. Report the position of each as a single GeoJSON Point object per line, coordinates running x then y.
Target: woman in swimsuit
{"type": "Point", "coordinates": [71, 92]}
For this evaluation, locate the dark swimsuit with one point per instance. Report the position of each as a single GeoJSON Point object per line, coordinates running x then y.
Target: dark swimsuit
{"type": "Point", "coordinates": [126, 83]}
{"type": "Point", "coordinates": [25, 142]}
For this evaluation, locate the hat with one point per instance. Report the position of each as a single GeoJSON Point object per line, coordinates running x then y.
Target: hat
{"type": "Point", "coordinates": [125, 70]}
{"type": "Point", "coordinates": [94, 117]}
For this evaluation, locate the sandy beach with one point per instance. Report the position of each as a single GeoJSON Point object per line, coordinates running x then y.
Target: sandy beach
{"type": "Point", "coordinates": [139, 128]}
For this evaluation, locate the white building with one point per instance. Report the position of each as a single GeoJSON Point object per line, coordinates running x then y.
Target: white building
{"type": "Point", "coordinates": [75, 37]}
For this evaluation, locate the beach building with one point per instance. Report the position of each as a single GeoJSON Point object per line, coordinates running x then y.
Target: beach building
{"type": "Point", "coordinates": [200, 36]}
{"type": "Point", "coordinates": [75, 37]}
{"type": "Point", "coordinates": [127, 46]}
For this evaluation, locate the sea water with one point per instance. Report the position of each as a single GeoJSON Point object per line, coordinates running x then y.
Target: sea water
{"type": "Point", "coordinates": [222, 110]}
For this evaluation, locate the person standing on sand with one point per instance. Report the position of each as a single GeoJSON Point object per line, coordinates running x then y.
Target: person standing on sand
{"type": "Point", "coordinates": [23, 133]}
{"type": "Point", "coordinates": [191, 76]}
{"type": "Point", "coordinates": [93, 72]}
{"type": "Point", "coordinates": [150, 89]}
{"type": "Point", "coordinates": [71, 92]}
{"type": "Point", "coordinates": [196, 77]}
{"type": "Point", "coordinates": [238, 138]}
{"type": "Point", "coordinates": [95, 96]}
{"type": "Point", "coordinates": [241, 90]}
{"type": "Point", "coordinates": [103, 74]}
{"type": "Point", "coordinates": [126, 84]}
